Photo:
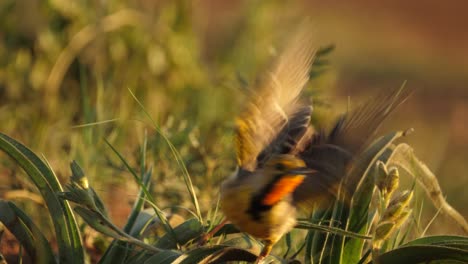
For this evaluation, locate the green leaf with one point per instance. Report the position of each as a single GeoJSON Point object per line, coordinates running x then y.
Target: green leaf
{"type": "Point", "coordinates": [227, 229]}
{"type": "Point", "coordinates": [140, 201]}
{"type": "Point", "coordinates": [244, 242]}
{"type": "Point", "coordinates": [27, 233]}
{"type": "Point", "coordinates": [215, 254]}
{"type": "Point", "coordinates": [358, 218]}
{"type": "Point", "coordinates": [183, 233]}
{"type": "Point", "coordinates": [423, 254]}
{"type": "Point", "coordinates": [316, 245]}
{"type": "Point", "coordinates": [103, 225]}
{"type": "Point", "coordinates": [99, 223]}
{"type": "Point", "coordinates": [362, 196]}
{"type": "Point", "coordinates": [448, 241]}
{"type": "Point", "coordinates": [328, 229]}
{"type": "Point", "coordinates": [164, 257]}
{"type": "Point", "coordinates": [118, 250]}
{"type": "Point", "coordinates": [145, 220]}
{"type": "Point", "coordinates": [145, 190]}
{"type": "Point", "coordinates": [66, 228]}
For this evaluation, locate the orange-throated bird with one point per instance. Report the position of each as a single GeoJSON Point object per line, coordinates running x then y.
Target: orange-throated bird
{"type": "Point", "coordinates": [282, 161]}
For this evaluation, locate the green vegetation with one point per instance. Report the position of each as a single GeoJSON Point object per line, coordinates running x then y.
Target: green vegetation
{"type": "Point", "coordinates": [131, 94]}
{"type": "Point", "coordinates": [369, 227]}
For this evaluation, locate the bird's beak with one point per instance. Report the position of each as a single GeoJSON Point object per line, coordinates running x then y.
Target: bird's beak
{"type": "Point", "coordinates": [302, 171]}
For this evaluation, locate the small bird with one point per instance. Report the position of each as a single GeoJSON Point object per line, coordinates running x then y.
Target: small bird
{"type": "Point", "coordinates": [283, 162]}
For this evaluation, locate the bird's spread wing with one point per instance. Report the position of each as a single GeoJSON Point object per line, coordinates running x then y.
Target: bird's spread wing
{"type": "Point", "coordinates": [274, 101]}
{"type": "Point", "coordinates": [356, 129]}
{"type": "Point", "coordinates": [333, 154]}
{"type": "Point", "coordinates": [289, 138]}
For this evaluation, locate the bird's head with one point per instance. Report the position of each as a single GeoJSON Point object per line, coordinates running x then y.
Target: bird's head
{"type": "Point", "coordinates": [285, 164]}
{"type": "Point", "coordinates": [282, 174]}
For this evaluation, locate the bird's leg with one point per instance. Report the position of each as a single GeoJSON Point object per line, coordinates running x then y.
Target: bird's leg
{"type": "Point", "coordinates": [210, 234]}
{"type": "Point", "coordinates": [265, 251]}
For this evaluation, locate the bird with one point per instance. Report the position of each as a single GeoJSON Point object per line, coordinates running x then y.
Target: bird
{"type": "Point", "coordinates": [285, 163]}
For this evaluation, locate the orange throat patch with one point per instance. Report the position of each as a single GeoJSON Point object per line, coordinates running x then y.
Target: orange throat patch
{"type": "Point", "coordinates": [283, 187]}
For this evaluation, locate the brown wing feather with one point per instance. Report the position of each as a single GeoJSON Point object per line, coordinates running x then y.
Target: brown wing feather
{"type": "Point", "coordinates": [289, 137]}
{"type": "Point", "coordinates": [274, 100]}
{"type": "Point", "coordinates": [332, 155]}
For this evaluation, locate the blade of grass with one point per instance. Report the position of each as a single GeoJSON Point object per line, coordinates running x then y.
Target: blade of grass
{"type": "Point", "coordinates": [301, 247]}
{"type": "Point", "coordinates": [185, 232]}
{"type": "Point", "coordinates": [151, 201]}
{"type": "Point", "coordinates": [359, 212]}
{"type": "Point", "coordinates": [424, 254]}
{"type": "Point", "coordinates": [442, 240]}
{"type": "Point", "coordinates": [215, 254]}
{"type": "Point", "coordinates": [102, 224]}
{"type": "Point", "coordinates": [178, 158]}
{"type": "Point", "coordinates": [329, 229]}
{"type": "Point", "coordinates": [315, 240]}
{"type": "Point", "coordinates": [431, 221]}
{"type": "Point", "coordinates": [118, 250]}
{"type": "Point", "coordinates": [66, 229]}
{"type": "Point", "coordinates": [165, 257]}
{"type": "Point", "coordinates": [27, 233]}
{"type": "Point", "coordinates": [145, 176]}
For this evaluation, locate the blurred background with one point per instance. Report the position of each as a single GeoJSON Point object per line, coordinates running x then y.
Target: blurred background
{"type": "Point", "coordinates": [68, 70]}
